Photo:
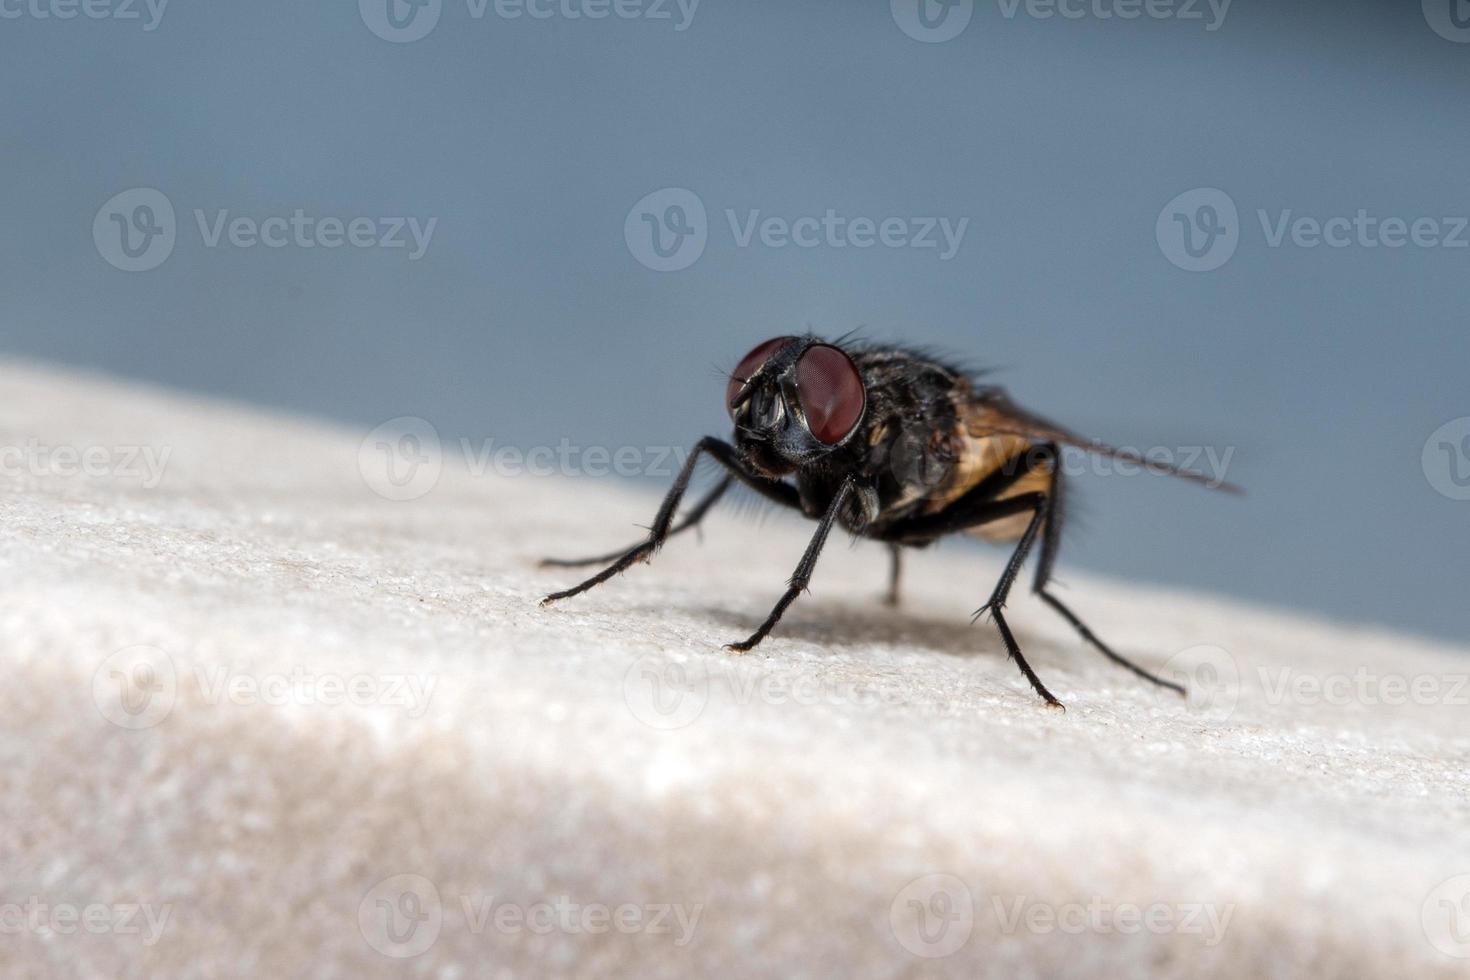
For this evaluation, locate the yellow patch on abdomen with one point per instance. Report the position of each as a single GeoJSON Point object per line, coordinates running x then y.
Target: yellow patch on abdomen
{"type": "Point", "coordinates": [979, 458]}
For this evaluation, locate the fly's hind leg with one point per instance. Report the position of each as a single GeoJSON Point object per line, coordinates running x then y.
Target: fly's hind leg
{"type": "Point", "coordinates": [1046, 561]}
{"type": "Point", "coordinates": [895, 573]}
{"type": "Point", "coordinates": [978, 507]}
{"type": "Point", "coordinates": [985, 504]}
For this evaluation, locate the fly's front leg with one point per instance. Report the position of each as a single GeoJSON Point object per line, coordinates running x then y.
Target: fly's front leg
{"type": "Point", "coordinates": [691, 519]}
{"type": "Point", "coordinates": [724, 454]}
{"type": "Point", "coordinates": [803, 574]}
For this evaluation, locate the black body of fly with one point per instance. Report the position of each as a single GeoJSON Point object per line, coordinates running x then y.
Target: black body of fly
{"type": "Point", "coordinates": [895, 446]}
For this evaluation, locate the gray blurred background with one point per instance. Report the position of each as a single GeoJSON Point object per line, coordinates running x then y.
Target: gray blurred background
{"type": "Point", "coordinates": [531, 318]}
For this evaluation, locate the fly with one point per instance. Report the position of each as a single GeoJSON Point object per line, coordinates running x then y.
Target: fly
{"type": "Point", "coordinates": [895, 446]}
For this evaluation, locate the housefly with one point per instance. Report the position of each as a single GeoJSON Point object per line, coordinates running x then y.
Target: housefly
{"type": "Point", "coordinates": [897, 446]}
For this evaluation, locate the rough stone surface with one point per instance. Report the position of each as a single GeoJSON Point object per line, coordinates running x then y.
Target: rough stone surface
{"type": "Point", "coordinates": [345, 689]}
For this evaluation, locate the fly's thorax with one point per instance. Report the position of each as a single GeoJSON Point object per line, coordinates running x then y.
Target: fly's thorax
{"type": "Point", "coordinates": [908, 459]}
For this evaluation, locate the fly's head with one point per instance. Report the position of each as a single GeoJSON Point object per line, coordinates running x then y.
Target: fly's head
{"type": "Point", "coordinates": [794, 400]}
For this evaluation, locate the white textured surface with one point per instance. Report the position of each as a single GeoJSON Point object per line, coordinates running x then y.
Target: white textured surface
{"type": "Point", "coordinates": [858, 750]}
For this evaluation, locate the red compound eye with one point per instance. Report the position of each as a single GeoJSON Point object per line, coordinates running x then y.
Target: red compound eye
{"type": "Point", "coordinates": [749, 365]}
{"type": "Point", "coordinates": [831, 392]}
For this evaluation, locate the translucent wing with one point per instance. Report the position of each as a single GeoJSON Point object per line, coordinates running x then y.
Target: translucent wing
{"type": "Point", "coordinates": [990, 413]}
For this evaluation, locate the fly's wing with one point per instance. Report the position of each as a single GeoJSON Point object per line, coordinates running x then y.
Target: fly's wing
{"type": "Point", "coordinates": [990, 413]}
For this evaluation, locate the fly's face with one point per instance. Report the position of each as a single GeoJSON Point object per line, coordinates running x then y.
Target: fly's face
{"type": "Point", "coordinates": [793, 401]}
